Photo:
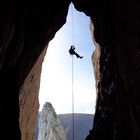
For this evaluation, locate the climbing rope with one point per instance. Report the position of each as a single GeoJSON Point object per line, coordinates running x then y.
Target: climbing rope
{"type": "Point", "coordinates": [72, 100]}
{"type": "Point", "coordinates": [72, 27]}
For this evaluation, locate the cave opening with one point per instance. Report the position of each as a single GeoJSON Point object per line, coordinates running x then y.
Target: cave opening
{"type": "Point", "coordinates": [56, 76]}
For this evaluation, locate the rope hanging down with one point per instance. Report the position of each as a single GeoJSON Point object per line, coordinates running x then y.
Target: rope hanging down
{"type": "Point", "coordinates": [72, 53]}
{"type": "Point", "coordinates": [72, 27]}
{"type": "Point", "coordinates": [73, 123]}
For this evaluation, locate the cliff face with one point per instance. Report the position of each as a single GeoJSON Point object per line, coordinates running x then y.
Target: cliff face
{"type": "Point", "coordinates": [28, 100]}
{"type": "Point", "coordinates": [117, 111]}
{"type": "Point", "coordinates": [26, 27]}
{"type": "Point", "coordinates": [49, 126]}
{"type": "Point", "coordinates": [96, 59]}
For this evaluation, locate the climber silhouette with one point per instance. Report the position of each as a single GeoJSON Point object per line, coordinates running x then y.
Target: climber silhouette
{"type": "Point", "coordinates": [72, 52]}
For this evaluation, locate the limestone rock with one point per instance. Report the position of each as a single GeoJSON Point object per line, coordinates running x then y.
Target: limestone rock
{"type": "Point", "coordinates": [28, 100]}
{"type": "Point", "coordinates": [49, 126]}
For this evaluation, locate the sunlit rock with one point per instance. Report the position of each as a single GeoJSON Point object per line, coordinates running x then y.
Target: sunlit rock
{"type": "Point", "coordinates": [49, 126]}
{"type": "Point", "coordinates": [31, 85]}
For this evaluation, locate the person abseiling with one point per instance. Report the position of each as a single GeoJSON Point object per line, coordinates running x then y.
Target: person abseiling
{"type": "Point", "coordinates": [72, 52]}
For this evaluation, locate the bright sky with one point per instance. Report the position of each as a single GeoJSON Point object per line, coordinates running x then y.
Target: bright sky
{"type": "Point", "coordinates": [56, 77]}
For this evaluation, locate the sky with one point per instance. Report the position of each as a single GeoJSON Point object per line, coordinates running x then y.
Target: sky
{"type": "Point", "coordinates": [56, 76]}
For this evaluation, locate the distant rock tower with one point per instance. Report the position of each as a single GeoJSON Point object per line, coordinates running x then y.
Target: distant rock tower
{"type": "Point", "coordinates": [49, 127]}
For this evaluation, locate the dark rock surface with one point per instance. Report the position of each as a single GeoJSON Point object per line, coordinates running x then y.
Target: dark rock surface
{"type": "Point", "coordinates": [26, 27]}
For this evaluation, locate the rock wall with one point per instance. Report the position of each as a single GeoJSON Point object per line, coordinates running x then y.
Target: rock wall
{"type": "Point", "coordinates": [116, 30]}
{"type": "Point", "coordinates": [28, 100]}
{"type": "Point", "coordinates": [26, 27]}
{"type": "Point", "coordinates": [49, 126]}
{"type": "Point", "coordinates": [117, 116]}
{"type": "Point", "coordinates": [96, 58]}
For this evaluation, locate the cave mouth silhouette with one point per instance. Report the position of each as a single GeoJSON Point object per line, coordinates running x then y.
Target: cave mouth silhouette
{"type": "Point", "coordinates": [57, 58]}
{"type": "Point", "coordinates": [57, 62]}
